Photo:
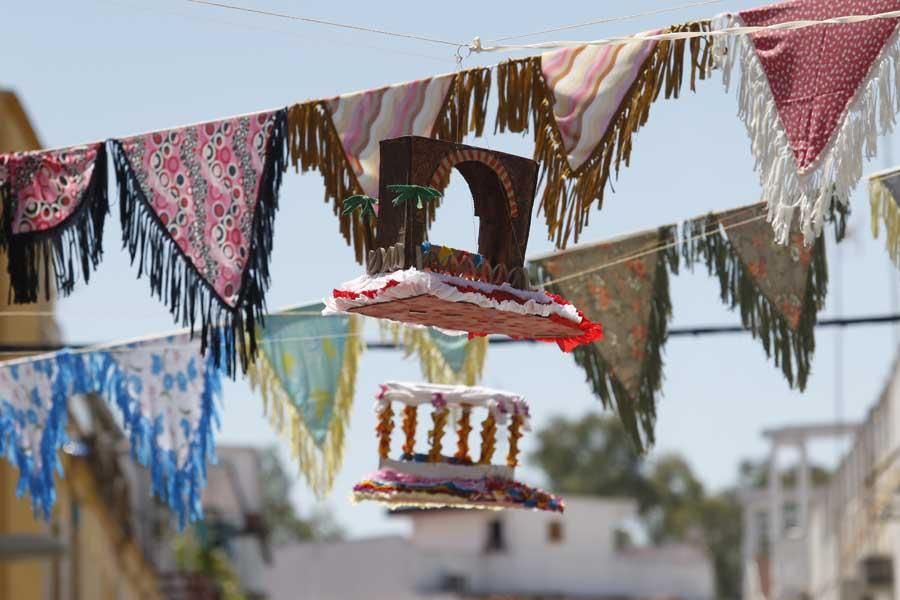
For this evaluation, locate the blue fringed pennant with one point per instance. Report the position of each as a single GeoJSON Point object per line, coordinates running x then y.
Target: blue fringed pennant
{"type": "Point", "coordinates": [33, 417]}
{"type": "Point", "coordinates": [167, 392]}
{"type": "Point", "coordinates": [306, 372]}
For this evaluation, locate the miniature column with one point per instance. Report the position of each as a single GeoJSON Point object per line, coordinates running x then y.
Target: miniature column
{"type": "Point", "coordinates": [439, 419]}
{"type": "Point", "coordinates": [515, 432]}
{"type": "Point", "coordinates": [409, 429]}
{"type": "Point", "coordinates": [462, 435]}
{"type": "Point", "coordinates": [384, 428]}
{"type": "Point", "coordinates": [488, 439]}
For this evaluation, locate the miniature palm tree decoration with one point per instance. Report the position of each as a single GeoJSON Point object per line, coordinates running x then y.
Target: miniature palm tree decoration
{"type": "Point", "coordinates": [368, 208]}
{"type": "Point", "coordinates": [421, 194]}
{"type": "Point", "coordinates": [408, 279]}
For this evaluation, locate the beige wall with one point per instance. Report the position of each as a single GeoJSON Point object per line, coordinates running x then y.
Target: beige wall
{"type": "Point", "coordinates": [100, 563]}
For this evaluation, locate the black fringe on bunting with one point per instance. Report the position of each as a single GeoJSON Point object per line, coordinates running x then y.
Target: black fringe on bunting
{"type": "Point", "coordinates": [705, 241]}
{"type": "Point", "coordinates": [36, 257]}
{"type": "Point", "coordinates": [638, 415]}
{"type": "Point", "coordinates": [229, 332]}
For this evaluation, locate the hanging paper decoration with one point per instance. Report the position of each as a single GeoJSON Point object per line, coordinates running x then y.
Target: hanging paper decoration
{"type": "Point", "coordinates": [884, 197]}
{"type": "Point", "coordinates": [585, 104]}
{"type": "Point", "coordinates": [340, 137]}
{"type": "Point", "coordinates": [167, 392]}
{"type": "Point", "coordinates": [54, 207]}
{"type": "Point", "coordinates": [410, 280]}
{"type": "Point", "coordinates": [33, 417]}
{"type": "Point", "coordinates": [779, 289]}
{"type": "Point", "coordinates": [447, 359]}
{"type": "Point", "coordinates": [813, 100]}
{"type": "Point", "coordinates": [197, 210]}
{"type": "Point", "coordinates": [463, 479]}
{"type": "Point", "coordinates": [306, 371]}
{"type": "Point", "coordinates": [625, 284]}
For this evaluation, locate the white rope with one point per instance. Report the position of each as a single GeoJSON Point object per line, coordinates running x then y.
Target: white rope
{"type": "Point", "coordinates": [477, 47]}
{"type": "Point", "coordinates": [408, 36]}
{"type": "Point", "coordinates": [649, 13]}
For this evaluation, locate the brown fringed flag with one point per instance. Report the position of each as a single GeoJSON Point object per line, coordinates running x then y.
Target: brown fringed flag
{"type": "Point", "coordinates": [884, 197]}
{"type": "Point", "coordinates": [779, 289]}
{"type": "Point", "coordinates": [340, 136]}
{"type": "Point", "coordinates": [624, 284]}
{"type": "Point", "coordinates": [585, 103]}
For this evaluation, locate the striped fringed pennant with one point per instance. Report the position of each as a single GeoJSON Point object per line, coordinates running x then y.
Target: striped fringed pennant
{"type": "Point", "coordinates": [306, 373]}
{"type": "Point", "coordinates": [779, 289]}
{"type": "Point", "coordinates": [884, 198]}
{"type": "Point", "coordinates": [585, 104]}
{"type": "Point", "coordinates": [340, 136]}
{"type": "Point", "coordinates": [443, 358]}
{"type": "Point", "coordinates": [623, 283]}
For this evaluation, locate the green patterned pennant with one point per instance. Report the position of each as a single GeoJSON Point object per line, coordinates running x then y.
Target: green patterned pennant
{"type": "Point", "coordinates": [306, 372]}
{"type": "Point", "coordinates": [624, 284]}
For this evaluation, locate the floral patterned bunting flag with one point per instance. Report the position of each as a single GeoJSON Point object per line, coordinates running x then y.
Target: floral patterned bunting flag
{"type": "Point", "coordinates": [340, 136]}
{"type": "Point", "coordinates": [306, 372]}
{"type": "Point", "coordinates": [197, 210]}
{"type": "Point", "coordinates": [167, 392]}
{"type": "Point", "coordinates": [779, 289]}
{"type": "Point", "coordinates": [54, 207]}
{"type": "Point", "coordinates": [624, 284]}
{"type": "Point", "coordinates": [33, 417]}
{"type": "Point", "coordinates": [585, 104]}
{"type": "Point", "coordinates": [814, 100]}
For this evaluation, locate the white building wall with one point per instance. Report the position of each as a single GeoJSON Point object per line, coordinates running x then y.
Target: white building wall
{"type": "Point", "coordinates": [452, 543]}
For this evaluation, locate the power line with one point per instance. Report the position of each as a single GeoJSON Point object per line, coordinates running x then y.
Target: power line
{"type": "Point", "coordinates": [396, 34]}
{"type": "Point", "coordinates": [606, 20]}
{"type": "Point", "coordinates": [24, 348]}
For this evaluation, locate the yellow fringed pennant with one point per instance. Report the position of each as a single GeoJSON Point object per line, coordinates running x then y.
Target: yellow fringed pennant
{"type": "Point", "coordinates": [306, 374]}
{"type": "Point", "coordinates": [886, 210]}
{"type": "Point", "coordinates": [442, 358]}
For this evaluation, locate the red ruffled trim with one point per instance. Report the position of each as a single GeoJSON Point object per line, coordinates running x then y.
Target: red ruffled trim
{"type": "Point", "coordinates": [591, 332]}
{"type": "Point", "coordinates": [370, 294]}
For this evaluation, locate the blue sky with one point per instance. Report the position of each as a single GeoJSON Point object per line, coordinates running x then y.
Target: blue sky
{"type": "Point", "coordinates": [103, 68]}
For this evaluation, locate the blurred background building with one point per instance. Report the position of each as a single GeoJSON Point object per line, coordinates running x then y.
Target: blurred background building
{"type": "Point", "coordinates": [510, 554]}
{"type": "Point", "coordinates": [834, 537]}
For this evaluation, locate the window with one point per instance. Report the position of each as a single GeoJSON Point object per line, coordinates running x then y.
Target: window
{"type": "Point", "coordinates": [555, 532]}
{"type": "Point", "coordinates": [496, 541]}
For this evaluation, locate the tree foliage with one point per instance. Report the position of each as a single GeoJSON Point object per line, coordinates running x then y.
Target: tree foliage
{"type": "Point", "coordinates": [285, 525]}
{"type": "Point", "coordinates": [595, 456]}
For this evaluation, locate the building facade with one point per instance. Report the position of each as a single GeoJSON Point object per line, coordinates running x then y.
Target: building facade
{"type": "Point", "coordinates": [101, 541]}
{"type": "Point", "coordinates": [508, 554]}
{"type": "Point", "coordinates": [838, 541]}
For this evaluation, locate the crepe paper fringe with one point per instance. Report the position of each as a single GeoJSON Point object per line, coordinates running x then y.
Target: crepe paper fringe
{"type": "Point", "coordinates": [569, 192]}
{"type": "Point", "coordinates": [36, 257]}
{"type": "Point", "coordinates": [319, 464]}
{"type": "Point", "coordinates": [792, 348]}
{"type": "Point", "coordinates": [229, 332]}
{"type": "Point", "coordinates": [638, 415]}
{"type": "Point", "coordinates": [834, 176]}
{"type": "Point", "coordinates": [886, 210]}
{"type": "Point", "coordinates": [313, 143]}
{"type": "Point", "coordinates": [38, 483]}
{"type": "Point", "coordinates": [180, 487]}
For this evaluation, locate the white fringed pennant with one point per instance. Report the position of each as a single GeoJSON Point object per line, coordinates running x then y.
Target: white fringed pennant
{"type": "Point", "coordinates": [814, 101]}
